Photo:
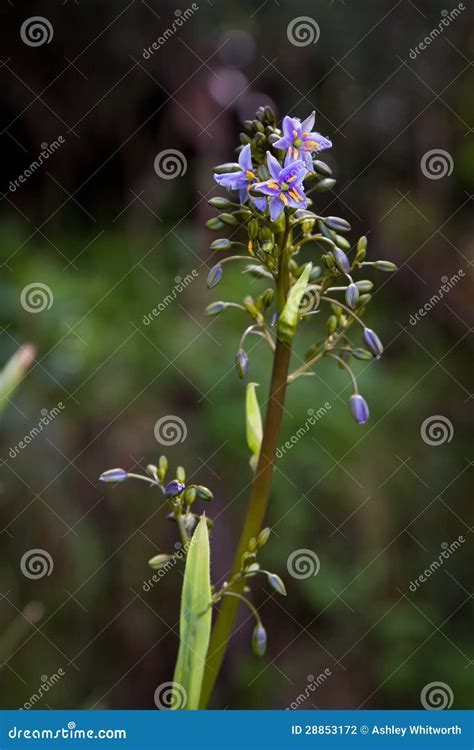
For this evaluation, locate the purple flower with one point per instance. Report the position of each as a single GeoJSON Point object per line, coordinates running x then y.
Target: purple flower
{"type": "Point", "coordinates": [359, 408]}
{"type": "Point", "coordinates": [285, 187]}
{"type": "Point", "coordinates": [243, 180]}
{"type": "Point", "coordinates": [300, 141]}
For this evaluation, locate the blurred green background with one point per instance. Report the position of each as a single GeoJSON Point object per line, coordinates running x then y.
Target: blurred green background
{"type": "Point", "coordinates": [109, 237]}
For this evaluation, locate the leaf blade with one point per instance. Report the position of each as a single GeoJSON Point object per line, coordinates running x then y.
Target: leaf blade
{"type": "Point", "coordinates": [195, 620]}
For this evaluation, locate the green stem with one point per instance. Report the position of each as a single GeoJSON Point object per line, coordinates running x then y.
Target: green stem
{"type": "Point", "coordinates": [261, 486]}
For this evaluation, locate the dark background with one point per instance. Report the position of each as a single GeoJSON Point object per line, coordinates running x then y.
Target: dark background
{"type": "Point", "coordinates": [108, 237]}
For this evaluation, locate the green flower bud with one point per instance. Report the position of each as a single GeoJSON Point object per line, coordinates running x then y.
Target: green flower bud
{"type": "Point", "coordinates": [267, 297]}
{"type": "Point", "coordinates": [160, 561]}
{"type": "Point", "coordinates": [228, 219]}
{"type": "Point", "coordinates": [228, 167]}
{"type": "Point", "coordinates": [338, 224]}
{"type": "Point", "coordinates": [384, 265]}
{"type": "Point", "coordinates": [263, 537]}
{"type": "Point", "coordinates": [361, 249]}
{"type": "Point", "coordinates": [189, 496]}
{"type": "Point", "coordinates": [332, 324]}
{"type": "Point", "coordinates": [362, 354]}
{"type": "Point", "coordinates": [221, 244]}
{"type": "Point", "coordinates": [162, 467]}
{"type": "Point", "coordinates": [322, 168]}
{"type": "Point", "coordinates": [219, 202]}
{"type": "Point", "coordinates": [152, 470]}
{"type": "Point", "coordinates": [342, 242]}
{"type": "Point", "coordinates": [365, 285]}
{"type": "Point", "coordinates": [252, 544]}
{"type": "Point", "coordinates": [214, 224]}
{"type": "Point", "coordinates": [252, 228]}
{"type": "Point", "coordinates": [202, 493]}
{"type": "Point", "coordinates": [326, 184]}
{"type": "Point", "coordinates": [181, 474]}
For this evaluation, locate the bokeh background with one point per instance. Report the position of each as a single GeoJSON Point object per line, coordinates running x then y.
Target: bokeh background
{"type": "Point", "coordinates": [109, 237]}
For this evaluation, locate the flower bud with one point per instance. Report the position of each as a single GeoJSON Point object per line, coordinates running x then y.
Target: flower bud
{"type": "Point", "coordinates": [219, 202]}
{"type": "Point", "coordinates": [384, 265]}
{"type": "Point", "coordinates": [241, 363]}
{"type": "Point", "coordinates": [259, 640]}
{"type": "Point", "coordinates": [228, 219]}
{"type": "Point", "coordinates": [342, 242]}
{"type": "Point", "coordinates": [152, 470]}
{"type": "Point", "coordinates": [359, 408]}
{"type": "Point", "coordinates": [114, 475]}
{"type": "Point", "coordinates": [214, 224]}
{"type": "Point", "coordinates": [159, 561]}
{"type": "Point", "coordinates": [276, 583]}
{"type": "Point", "coordinates": [203, 493]}
{"type": "Point", "coordinates": [215, 308]}
{"type": "Point", "coordinates": [252, 228]}
{"type": "Point", "coordinates": [173, 488]}
{"type": "Point", "coordinates": [361, 249]}
{"type": "Point", "coordinates": [221, 244]}
{"type": "Point", "coordinates": [162, 466]}
{"type": "Point", "coordinates": [365, 285]}
{"type": "Point", "coordinates": [361, 354]}
{"type": "Point", "coordinates": [342, 261]}
{"type": "Point", "coordinates": [262, 538]}
{"type": "Point", "coordinates": [336, 223]}
{"type": "Point", "coordinates": [181, 474]}
{"type": "Point", "coordinates": [352, 295]}
{"type": "Point", "coordinates": [332, 324]}
{"type": "Point", "coordinates": [326, 184]}
{"type": "Point", "coordinates": [214, 276]}
{"type": "Point", "coordinates": [322, 168]}
{"type": "Point", "coordinates": [373, 342]}
{"type": "Point", "coordinates": [231, 166]}
{"type": "Point", "coordinates": [189, 495]}
{"type": "Point", "coordinates": [267, 297]}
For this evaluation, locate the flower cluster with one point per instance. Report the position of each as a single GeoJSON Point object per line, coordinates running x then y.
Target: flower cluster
{"type": "Point", "coordinates": [277, 172]}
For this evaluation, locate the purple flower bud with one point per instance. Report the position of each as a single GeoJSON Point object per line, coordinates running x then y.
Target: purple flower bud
{"type": "Point", "coordinates": [241, 363]}
{"type": "Point", "coordinates": [341, 259]}
{"type": "Point", "coordinates": [214, 276]}
{"type": "Point", "coordinates": [359, 408]}
{"type": "Point", "coordinates": [174, 488]}
{"type": "Point", "coordinates": [114, 475]}
{"type": "Point", "coordinates": [373, 342]}
{"type": "Point", "coordinates": [352, 295]}
{"type": "Point", "coordinates": [259, 640]}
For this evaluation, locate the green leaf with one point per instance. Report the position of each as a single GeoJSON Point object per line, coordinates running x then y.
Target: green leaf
{"type": "Point", "coordinates": [195, 621]}
{"type": "Point", "coordinates": [288, 319]}
{"type": "Point", "coordinates": [254, 427]}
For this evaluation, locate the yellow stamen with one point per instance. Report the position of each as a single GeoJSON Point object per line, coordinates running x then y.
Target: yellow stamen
{"type": "Point", "coordinates": [284, 198]}
{"type": "Point", "coordinates": [291, 179]}
{"type": "Point", "coordinates": [250, 247]}
{"type": "Point", "coordinates": [310, 146]}
{"type": "Point", "coordinates": [295, 153]}
{"type": "Point", "coordinates": [273, 185]}
{"type": "Point", "coordinates": [295, 133]}
{"type": "Point", "coordinates": [250, 175]}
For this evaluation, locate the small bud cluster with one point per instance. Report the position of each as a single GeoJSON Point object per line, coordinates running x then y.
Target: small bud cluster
{"type": "Point", "coordinates": [249, 568]}
{"type": "Point", "coordinates": [179, 497]}
{"type": "Point", "coordinates": [269, 214]}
